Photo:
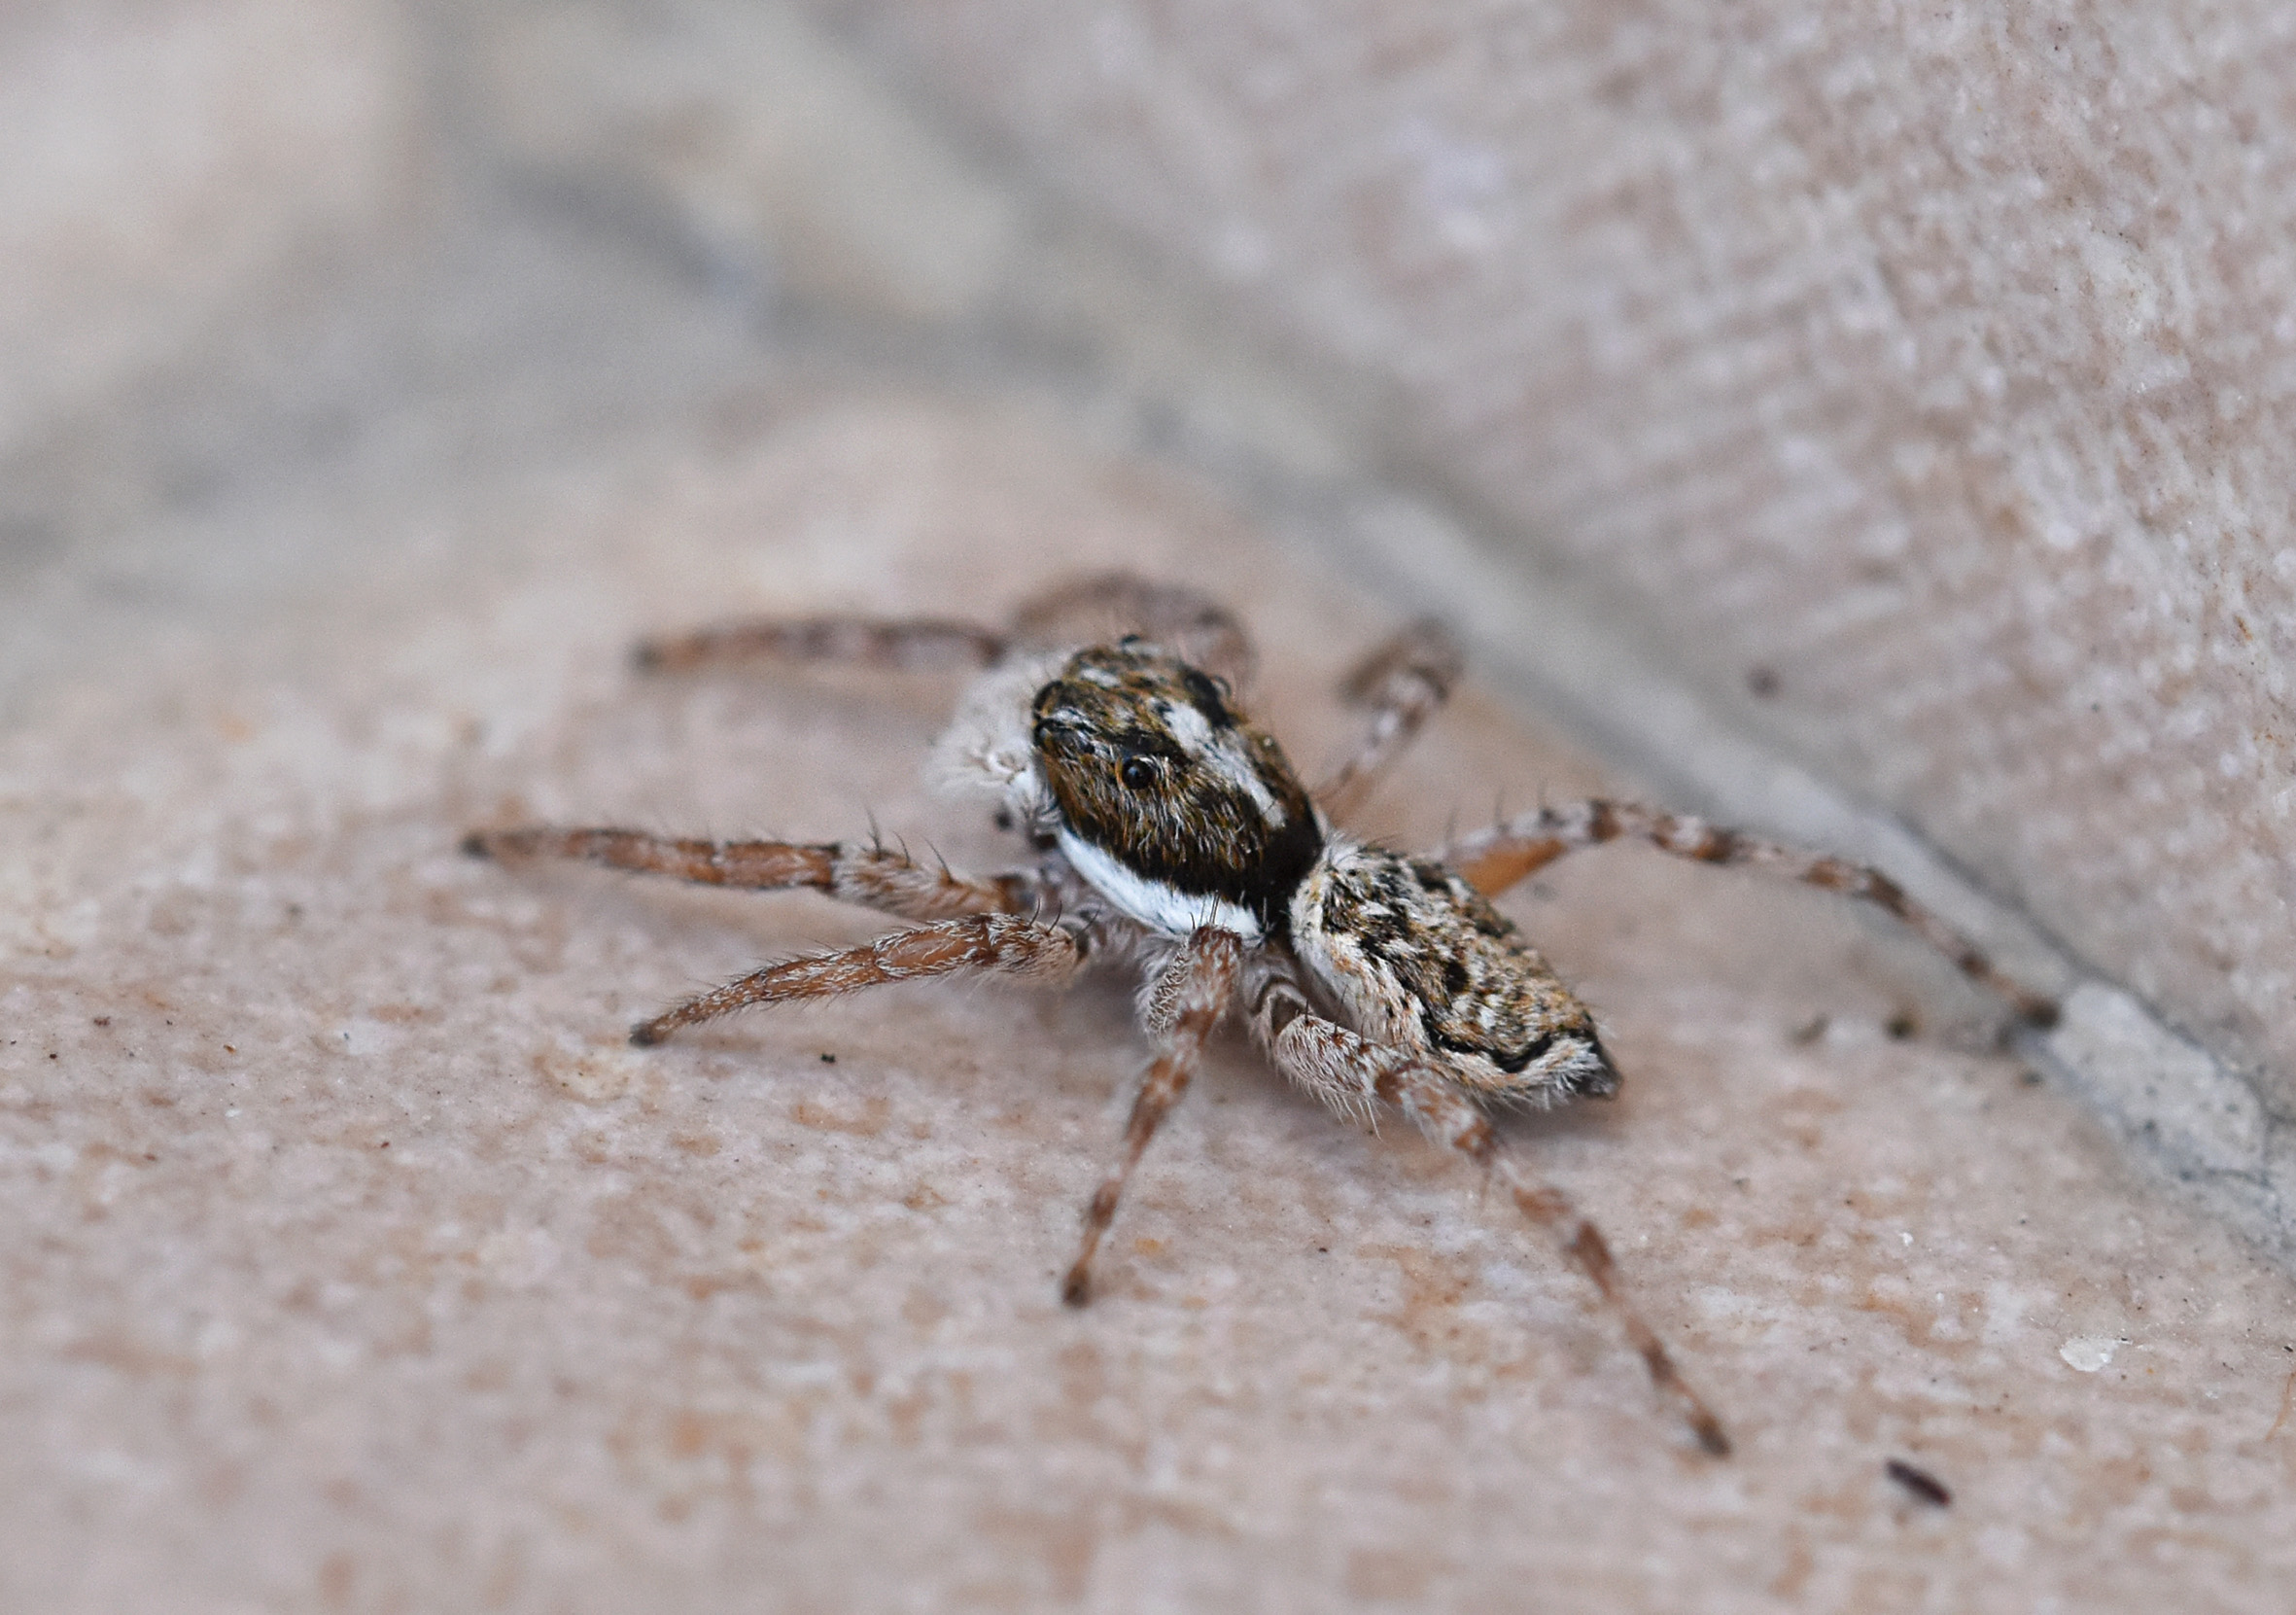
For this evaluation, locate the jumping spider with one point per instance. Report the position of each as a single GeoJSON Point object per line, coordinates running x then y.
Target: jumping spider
{"type": "Point", "coordinates": [1172, 836]}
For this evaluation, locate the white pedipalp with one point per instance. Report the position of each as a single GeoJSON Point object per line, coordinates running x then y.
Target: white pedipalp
{"type": "Point", "coordinates": [988, 746]}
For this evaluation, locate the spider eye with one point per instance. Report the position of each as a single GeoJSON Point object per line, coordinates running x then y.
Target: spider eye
{"type": "Point", "coordinates": [1137, 772]}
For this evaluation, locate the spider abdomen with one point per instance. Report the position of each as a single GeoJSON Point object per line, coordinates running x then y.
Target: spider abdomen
{"type": "Point", "coordinates": [1418, 960]}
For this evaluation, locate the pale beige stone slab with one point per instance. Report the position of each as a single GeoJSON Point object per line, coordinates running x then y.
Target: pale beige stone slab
{"type": "Point", "coordinates": [173, 164]}
{"type": "Point", "coordinates": [355, 1261]}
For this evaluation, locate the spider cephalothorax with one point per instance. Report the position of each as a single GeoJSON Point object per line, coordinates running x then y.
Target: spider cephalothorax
{"type": "Point", "coordinates": [1173, 837]}
{"type": "Point", "coordinates": [1167, 800]}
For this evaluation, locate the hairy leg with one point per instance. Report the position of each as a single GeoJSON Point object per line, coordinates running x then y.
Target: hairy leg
{"type": "Point", "coordinates": [871, 875]}
{"type": "Point", "coordinates": [923, 644]}
{"type": "Point", "coordinates": [1350, 1073]}
{"type": "Point", "coordinates": [1183, 1008]}
{"type": "Point", "coordinates": [1335, 1065]}
{"type": "Point", "coordinates": [1493, 860]}
{"type": "Point", "coordinates": [1047, 955]}
{"type": "Point", "coordinates": [1103, 608]}
{"type": "Point", "coordinates": [1404, 681]}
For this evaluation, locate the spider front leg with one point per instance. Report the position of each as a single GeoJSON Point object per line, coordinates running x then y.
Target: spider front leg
{"type": "Point", "coordinates": [921, 643]}
{"type": "Point", "coordinates": [1045, 956]}
{"type": "Point", "coordinates": [1404, 681]}
{"type": "Point", "coordinates": [1493, 860]}
{"type": "Point", "coordinates": [1352, 1075]}
{"type": "Point", "coordinates": [866, 874]}
{"type": "Point", "coordinates": [1107, 606]}
{"type": "Point", "coordinates": [1183, 1007]}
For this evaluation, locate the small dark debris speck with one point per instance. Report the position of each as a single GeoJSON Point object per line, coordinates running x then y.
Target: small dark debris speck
{"type": "Point", "coordinates": [828, 1059]}
{"type": "Point", "coordinates": [53, 1055]}
{"type": "Point", "coordinates": [1901, 1026]}
{"type": "Point", "coordinates": [103, 1020]}
{"type": "Point", "coordinates": [1920, 1481]}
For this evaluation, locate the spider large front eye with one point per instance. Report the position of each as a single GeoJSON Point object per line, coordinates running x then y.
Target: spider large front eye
{"type": "Point", "coordinates": [1138, 773]}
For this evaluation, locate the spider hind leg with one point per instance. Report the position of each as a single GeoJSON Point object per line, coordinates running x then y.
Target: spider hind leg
{"type": "Point", "coordinates": [1493, 860]}
{"type": "Point", "coordinates": [1348, 1071]}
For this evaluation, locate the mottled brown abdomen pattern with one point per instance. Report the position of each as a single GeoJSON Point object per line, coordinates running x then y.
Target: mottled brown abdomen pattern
{"type": "Point", "coordinates": [1416, 958]}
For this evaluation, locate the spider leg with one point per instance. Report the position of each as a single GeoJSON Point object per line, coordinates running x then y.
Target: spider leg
{"type": "Point", "coordinates": [1048, 956]}
{"type": "Point", "coordinates": [1183, 1007]}
{"type": "Point", "coordinates": [855, 872]}
{"type": "Point", "coordinates": [1404, 681]}
{"type": "Point", "coordinates": [1338, 1070]}
{"type": "Point", "coordinates": [1107, 606]}
{"type": "Point", "coordinates": [921, 643]}
{"type": "Point", "coordinates": [1103, 606]}
{"type": "Point", "coordinates": [1351, 1072]}
{"type": "Point", "coordinates": [1493, 860]}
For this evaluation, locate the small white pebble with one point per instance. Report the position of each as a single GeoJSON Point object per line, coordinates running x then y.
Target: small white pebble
{"type": "Point", "coordinates": [2089, 1352]}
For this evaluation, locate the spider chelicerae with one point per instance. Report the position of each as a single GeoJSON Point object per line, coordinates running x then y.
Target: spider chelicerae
{"type": "Point", "coordinates": [1172, 839]}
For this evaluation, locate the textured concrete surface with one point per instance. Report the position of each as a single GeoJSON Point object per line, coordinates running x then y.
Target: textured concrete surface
{"type": "Point", "coordinates": [172, 163]}
{"type": "Point", "coordinates": [356, 1263]}
{"type": "Point", "coordinates": [1919, 383]}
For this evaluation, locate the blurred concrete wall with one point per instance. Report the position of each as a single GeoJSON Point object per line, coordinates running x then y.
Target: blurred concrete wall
{"type": "Point", "coordinates": [1924, 380]}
